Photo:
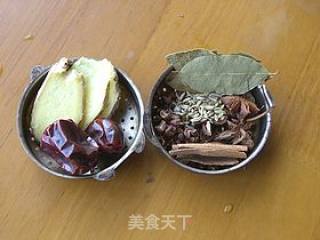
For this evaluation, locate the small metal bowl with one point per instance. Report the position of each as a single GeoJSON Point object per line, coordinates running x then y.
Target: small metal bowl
{"type": "Point", "coordinates": [129, 115]}
{"type": "Point", "coordinates": [262, 98]}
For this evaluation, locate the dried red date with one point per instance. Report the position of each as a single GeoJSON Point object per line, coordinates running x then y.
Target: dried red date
{"type": "Point", "coordinates": [71, 147]}
{"type": "Point", "coordinates": [107, 134]}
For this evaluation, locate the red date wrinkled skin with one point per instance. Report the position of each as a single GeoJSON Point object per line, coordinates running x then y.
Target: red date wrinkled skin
{"type": "Point", "coordinates": [107, 134]}
{"type": "Point", "coordinates": [71, 147]}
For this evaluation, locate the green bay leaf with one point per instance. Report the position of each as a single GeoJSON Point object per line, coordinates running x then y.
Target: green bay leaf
{"type": "Point", "coordinates": [223, 74]}
{"type": "Point", "coordinates": [171, 80]}
{"type": "Point", "coordinates": [179, 59]}
{"type": "Point", "coordinates": [245, 55]}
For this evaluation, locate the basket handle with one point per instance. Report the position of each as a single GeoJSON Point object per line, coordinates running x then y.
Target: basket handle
{"type": "Point", "coordinates": [268, 98]}
{"type": "Point", "coordinates": [147, 121]}
{"type": "Point", "coordinates": [38, 70]}
{"type": "Point", "coordinates": [105, 174]}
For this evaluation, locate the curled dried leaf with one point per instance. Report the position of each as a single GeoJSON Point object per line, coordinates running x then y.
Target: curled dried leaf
{"type": "Point", "coordinates": [179, 59]}
{"type": "Point", "coordinates": [225, 74]}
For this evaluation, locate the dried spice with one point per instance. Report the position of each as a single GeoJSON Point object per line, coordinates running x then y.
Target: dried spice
{"type": "Point", "coordinates": [240, 105]}
{"type": "Point", "coordinates": [107, 134]}
{"type": "Point", "coordinates": [199, 108]}
{"type": "Point", "coordinates": [211, 162]}
{"type": "Point", "coordinates": [78, 151]}
{"type": "Point", "coordinates": [203, 113]}
{"type": "Point", "coordinates": [71, 147]}
{"type": "Point", "coordinates": [204, 71]}
{"type": "Point", "coordinates": [209, 150]}
{"type": "Point", "coordinates": [179, 118]}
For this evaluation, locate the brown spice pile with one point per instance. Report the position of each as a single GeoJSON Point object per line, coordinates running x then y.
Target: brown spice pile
{"type": "Point", "coordinates": [228, 120]}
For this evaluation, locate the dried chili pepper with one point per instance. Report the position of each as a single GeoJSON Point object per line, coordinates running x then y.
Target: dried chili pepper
{"type": "Point", "coordinates": [107, 134]}
{"type": "Point", "coordinates": [71, 147]}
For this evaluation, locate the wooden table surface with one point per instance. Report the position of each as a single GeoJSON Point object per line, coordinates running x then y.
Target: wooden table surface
{"type": "Point", "coordinates": [276, 197]}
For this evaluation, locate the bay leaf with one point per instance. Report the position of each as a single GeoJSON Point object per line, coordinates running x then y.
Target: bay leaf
{"type": "Point", "coordinates": [245, 55]}
{"type": "Point", "coordinates": [179, 59]}
{"type": "Point", "coordinates": [228, 74]}
{"type": "Point", "coordinates": [172, 82]}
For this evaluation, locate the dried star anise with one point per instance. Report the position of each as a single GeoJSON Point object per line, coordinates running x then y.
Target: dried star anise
{"type": "Point", "coordinates": [172, 121]}
{"type": "Point", "coordinates": [240, 106]}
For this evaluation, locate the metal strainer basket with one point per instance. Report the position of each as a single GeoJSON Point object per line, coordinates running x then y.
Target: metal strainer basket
{"type": "Point", "coordinates": [129, 115]}
{"type": "Point", "coordinates": [262, 98]}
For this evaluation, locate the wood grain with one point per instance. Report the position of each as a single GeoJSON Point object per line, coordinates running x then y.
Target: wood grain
{"type": "Point", "coordinates": [276, 197]}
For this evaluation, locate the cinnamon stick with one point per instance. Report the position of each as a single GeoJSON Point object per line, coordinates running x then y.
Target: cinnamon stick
{"type": "Point", "coordinates": [210, 150]}
{"type": "Point", "coordinates": [214, 161]}
{"type": "Point", "coordinates": [211, 145]}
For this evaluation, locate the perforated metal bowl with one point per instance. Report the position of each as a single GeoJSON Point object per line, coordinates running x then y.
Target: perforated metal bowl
{"type": "Point", "coordinates": [129, 115]}
{"type": "Point", "coordinates": [262, 98]}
